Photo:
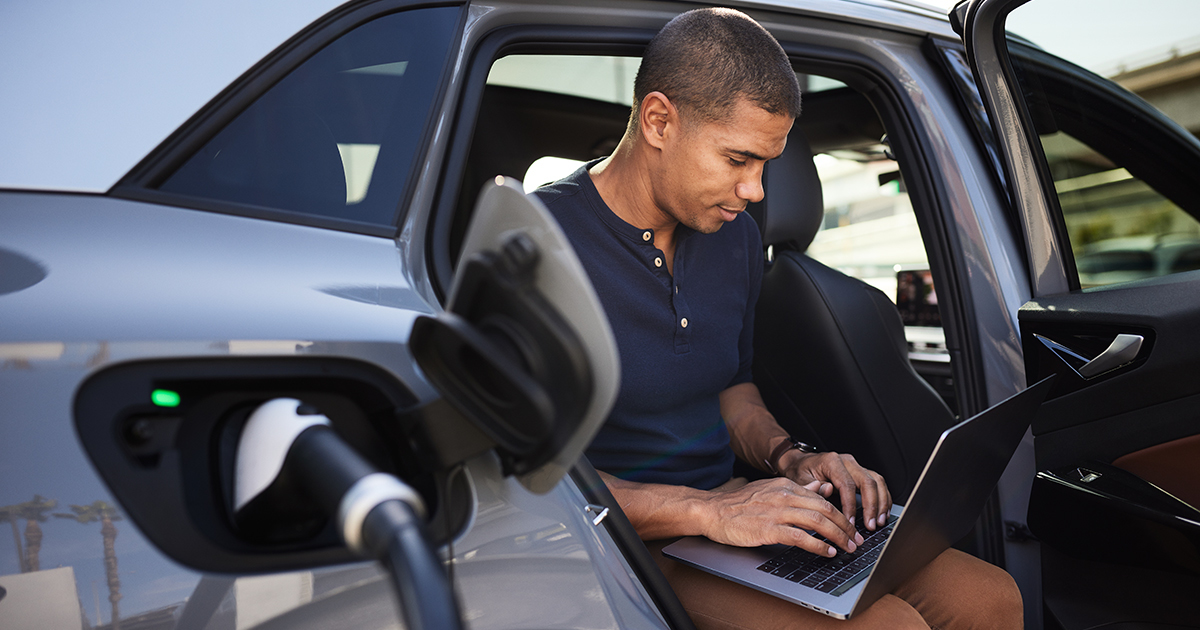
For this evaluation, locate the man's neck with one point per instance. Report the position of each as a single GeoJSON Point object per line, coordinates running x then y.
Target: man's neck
{"type": "Point", "coordinates": [624, 184]}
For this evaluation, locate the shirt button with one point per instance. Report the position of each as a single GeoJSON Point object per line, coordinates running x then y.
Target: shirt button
{"type": "Point", "coordinates": [646, 235]}
{"type": "Point", "coordinates": [683, 322]}
{"type": "Point", "coordinates": [658, 262]}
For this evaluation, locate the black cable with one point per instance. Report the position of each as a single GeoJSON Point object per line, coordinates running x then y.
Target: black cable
{"type": "Point", "coordinates": [393, 534]}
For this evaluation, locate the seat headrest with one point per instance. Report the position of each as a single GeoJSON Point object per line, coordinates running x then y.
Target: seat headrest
{"type": "Point", "coordinates": [792, 208]}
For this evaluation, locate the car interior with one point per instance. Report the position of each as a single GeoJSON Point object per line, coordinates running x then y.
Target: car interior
{"type": "Point", "coordinates": [832, 359]}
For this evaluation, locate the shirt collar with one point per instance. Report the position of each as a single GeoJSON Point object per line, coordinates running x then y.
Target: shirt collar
{"type": "Point", "coordinates": [615, 223]}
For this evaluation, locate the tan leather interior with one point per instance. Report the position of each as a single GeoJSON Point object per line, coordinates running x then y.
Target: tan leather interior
{"type": "Point", "coordinates": [1173, 466]}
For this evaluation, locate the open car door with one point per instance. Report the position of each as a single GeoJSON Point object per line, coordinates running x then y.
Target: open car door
{"type": "Point", "coordinates": [1105, 187]}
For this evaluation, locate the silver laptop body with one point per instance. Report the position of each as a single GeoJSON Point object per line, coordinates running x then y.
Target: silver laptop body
{"type": "Point", "coordinates": [957, 480]}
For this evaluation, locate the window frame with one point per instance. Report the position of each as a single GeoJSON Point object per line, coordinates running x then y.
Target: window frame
{"type": "Point", "coordinates": [141, 183]}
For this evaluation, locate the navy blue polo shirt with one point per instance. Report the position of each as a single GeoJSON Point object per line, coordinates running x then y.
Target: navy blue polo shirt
{"type": "Point", "coordinates": [682, 338]}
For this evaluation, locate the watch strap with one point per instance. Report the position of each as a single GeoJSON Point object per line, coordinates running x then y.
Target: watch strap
{"type": "Point", "coordinates": [788, 444]}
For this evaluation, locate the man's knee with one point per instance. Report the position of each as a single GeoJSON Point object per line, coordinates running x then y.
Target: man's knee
{"type": "Point", "coordinates": [1005, 597]}
{"type": "Point", "coordinates": [889, 612]}
{"type": "Point", "coordinates": [995, 600]}
{"type": "Point", "coordinates": [959, 591]}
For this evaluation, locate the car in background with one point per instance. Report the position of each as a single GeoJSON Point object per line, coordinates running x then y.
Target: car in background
{"type": "Point", "coordinates": [1131, 258]}
{"type": "Point", "coordinates": [305, 230]}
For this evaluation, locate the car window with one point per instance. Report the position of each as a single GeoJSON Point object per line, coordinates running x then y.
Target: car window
{"type": "Point", "coordinates": [338, 135]}
{"type": "Point", "coordinates": [600, 77]}
{"type": "Point", "coordinates": [595, 77]}
{"type": "Point", "coordinates": [1117, 133]}
{"type": "Point", "coordinates": [870, 231]}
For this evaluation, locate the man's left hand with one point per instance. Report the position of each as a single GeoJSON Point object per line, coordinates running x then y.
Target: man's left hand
{"type": "Point", "coordinates": [843, 473]}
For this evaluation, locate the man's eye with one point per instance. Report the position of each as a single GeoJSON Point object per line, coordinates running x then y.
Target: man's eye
{"type": "Point", "coordinates": [737, 162]}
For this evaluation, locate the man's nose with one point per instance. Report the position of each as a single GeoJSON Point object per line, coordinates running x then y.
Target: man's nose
{"type": "Point", "coordinates": [751, 188]}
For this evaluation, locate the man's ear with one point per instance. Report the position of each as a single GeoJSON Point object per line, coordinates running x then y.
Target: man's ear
{"type": "Point", "coordinates": [657, 117]}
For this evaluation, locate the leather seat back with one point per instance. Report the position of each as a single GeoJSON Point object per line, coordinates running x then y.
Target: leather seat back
{"type": "Point", "coordinates": [831, 358]}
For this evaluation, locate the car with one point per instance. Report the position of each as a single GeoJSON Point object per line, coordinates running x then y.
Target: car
{"type": "Point", "coordinates": [336, 219]}
{"type": "Point", "coordinates": [1135, 257]}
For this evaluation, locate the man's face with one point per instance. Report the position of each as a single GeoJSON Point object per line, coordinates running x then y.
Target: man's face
{"type": "Point", "coordinates": [711, 170]}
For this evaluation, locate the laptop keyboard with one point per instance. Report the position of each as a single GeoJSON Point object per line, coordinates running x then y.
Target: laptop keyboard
{"type": "Point", "coordinates": [832, 575]}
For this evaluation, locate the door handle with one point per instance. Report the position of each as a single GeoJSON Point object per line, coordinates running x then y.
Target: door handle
{"type": "Point", "coordinates": [1122, 350]}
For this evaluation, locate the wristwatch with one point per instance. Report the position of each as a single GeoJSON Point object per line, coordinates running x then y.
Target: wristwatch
{"type": "Point", "coordinates": [785, 446]}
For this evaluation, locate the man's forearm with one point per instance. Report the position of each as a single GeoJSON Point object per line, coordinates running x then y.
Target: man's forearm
{"type": "Point", "coordinates": [753, 431]}
{"type": "Point", "coordinates": [660, 511]}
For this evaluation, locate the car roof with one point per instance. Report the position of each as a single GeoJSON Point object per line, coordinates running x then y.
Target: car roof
{"type": "Point", "coordinates": [89, 92]}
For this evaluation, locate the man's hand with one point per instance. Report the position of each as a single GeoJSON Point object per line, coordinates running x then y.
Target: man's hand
{"type": "Point", "coordinates": [778, 511]}
{"type": "Point", "coordinates": [841, 472]}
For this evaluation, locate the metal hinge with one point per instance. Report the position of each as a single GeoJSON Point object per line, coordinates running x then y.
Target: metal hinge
{"type": "Point", "coordinates": [597, 512]}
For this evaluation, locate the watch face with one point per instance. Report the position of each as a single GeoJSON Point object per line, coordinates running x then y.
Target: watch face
{"type": "Point", "coordinates": [801, 446]}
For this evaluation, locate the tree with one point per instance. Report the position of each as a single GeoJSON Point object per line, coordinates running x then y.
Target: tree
{"type": "Point", "coordinates": [9, 513]}
{"type": "Point", "coordinates": [34, 512]}
{"type": "Point", "coordinates": [106, 513]}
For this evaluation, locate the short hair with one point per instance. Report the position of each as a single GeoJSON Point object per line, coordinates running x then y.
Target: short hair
{"type": "Point", "coordinates": [705, 60]}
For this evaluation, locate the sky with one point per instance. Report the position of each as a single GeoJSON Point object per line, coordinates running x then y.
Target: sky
{"type": "Point", "coordinates": [81, 75]}
{"type": "Point", "coordinates": [1100, 35]}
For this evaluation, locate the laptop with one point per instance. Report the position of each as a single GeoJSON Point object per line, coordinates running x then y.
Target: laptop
{"type": "Point", "coordinates": [957, 480]}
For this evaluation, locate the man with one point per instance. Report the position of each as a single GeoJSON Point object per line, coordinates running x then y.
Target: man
{"type": "Point", "coordinates": [659, 226]}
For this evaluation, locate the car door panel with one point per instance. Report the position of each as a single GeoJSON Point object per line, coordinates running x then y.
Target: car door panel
{"type": "Point", "coordinates": [1108, 533]}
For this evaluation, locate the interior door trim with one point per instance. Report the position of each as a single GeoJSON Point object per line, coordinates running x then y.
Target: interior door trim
{"type": "Point", "coordinates": [1173, 466]}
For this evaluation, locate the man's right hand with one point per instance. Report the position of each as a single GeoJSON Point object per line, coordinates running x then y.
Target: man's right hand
{"type": "Point", "coordinates": [778, 511]}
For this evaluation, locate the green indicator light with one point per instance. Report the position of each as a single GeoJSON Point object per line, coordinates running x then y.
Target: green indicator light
{"type": "Point", "coordinates": [165, 398]}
